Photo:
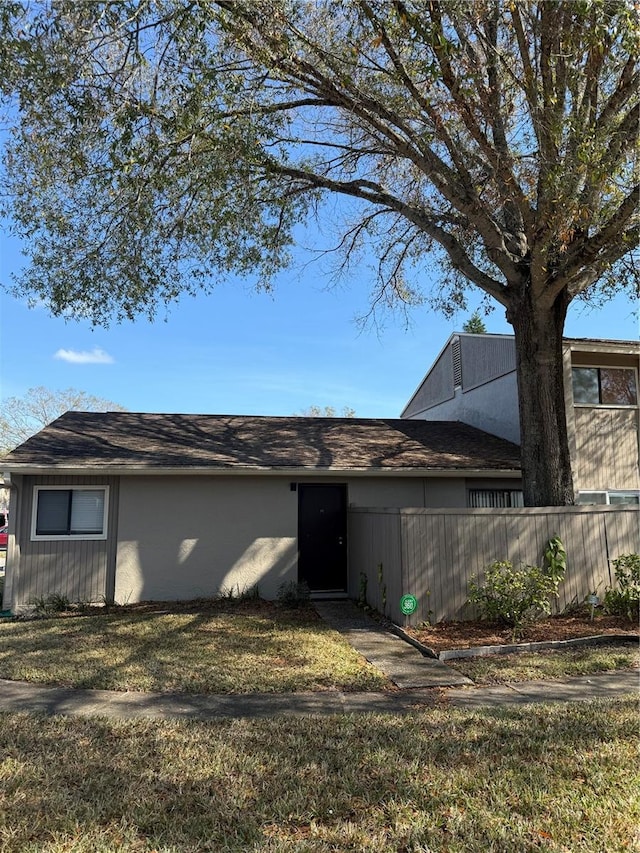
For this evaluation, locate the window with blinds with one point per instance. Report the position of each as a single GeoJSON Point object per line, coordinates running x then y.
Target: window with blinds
{"type": "Point", "coordinates": [72, 512]}
{"type": "Point", "coordinates": [495, 498]}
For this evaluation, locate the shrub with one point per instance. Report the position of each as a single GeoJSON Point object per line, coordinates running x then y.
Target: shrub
{"type": "Point", "coordinates": [556, 558]}
{"type": "Point", "coordinates": [235, 594]}
{"type": "Point", "coordinates": [294, 594]}
{"type": "Point", "coordinates": [625, 601]}
{"type": "Point", "coordinates": [512, 596]}
{"type": "Point", "coordinates": [47, 605]}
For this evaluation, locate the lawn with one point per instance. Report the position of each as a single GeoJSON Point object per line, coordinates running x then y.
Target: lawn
{"type": "Point", "coordinates": [221, 648]}
{"type": "Point", "coordinates": [556, 778]}
{"type": "Point", "coordinates": [547, 664]}
{"type": "Point", "coordinates": [238, 647]}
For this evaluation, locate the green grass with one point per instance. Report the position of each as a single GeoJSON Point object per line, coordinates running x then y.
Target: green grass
{"type": "Point", "coordinates": [548, 664]}
{"type": "Point", "coordinates": [232, 649]}
{"type": "Point", "coordinates": [556, 778]}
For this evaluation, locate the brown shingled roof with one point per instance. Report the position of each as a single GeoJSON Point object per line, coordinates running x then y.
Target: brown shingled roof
{"type": "Point", "coordinates": [126, 440]}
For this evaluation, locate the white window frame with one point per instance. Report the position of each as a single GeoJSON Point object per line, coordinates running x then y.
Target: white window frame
{"type": "Point", "coordinates": [57, 537]}
{"type": "Point", "coordinates": [607, 493]}
{"type": "Point", "coordinates": [606, 405]}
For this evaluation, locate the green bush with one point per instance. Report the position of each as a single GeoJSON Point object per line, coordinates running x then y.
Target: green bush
{"type": "Point", "coordinates": [625, 601]}
{"type": "Point", "coordinates": [512, 596]}
{"type": "Point", "coordinates": [556, 558]}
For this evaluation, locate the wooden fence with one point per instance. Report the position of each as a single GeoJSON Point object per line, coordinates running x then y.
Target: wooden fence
{"type": "Point", "coordinates": [432, 553]}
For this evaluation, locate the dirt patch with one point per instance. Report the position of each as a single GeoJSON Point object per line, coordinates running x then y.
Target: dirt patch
{"type": "Point", "coordinates": [465, 635]}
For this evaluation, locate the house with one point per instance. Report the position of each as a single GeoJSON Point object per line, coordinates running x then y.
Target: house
{"type": "Point", "coordinates": [130, 507]}
{"type": "Point", "coordinates": [473, 380]}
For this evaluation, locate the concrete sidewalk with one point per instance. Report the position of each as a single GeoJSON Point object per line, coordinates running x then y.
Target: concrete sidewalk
{"type": "Point", "coordinates": [17, 696]}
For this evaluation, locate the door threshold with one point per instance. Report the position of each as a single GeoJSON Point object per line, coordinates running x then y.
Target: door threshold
{"type": "Point", "coordinates": [328, 593]}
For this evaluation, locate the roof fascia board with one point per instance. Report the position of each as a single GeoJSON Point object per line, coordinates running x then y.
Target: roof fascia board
{"type": "Point", "coordinates": [616, 347]}
{"type": "Point", "coordinates": [107, 471]}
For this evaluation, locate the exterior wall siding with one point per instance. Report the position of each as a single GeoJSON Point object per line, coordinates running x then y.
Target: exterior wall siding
{"type": "Point", "coordinates": [486, 357]}
{"type": "Point", "coordinates": [492, 407]}
{"type": "Point", "coordinates": [436, 388]}
{"type": "Point", "coordinates": [81, 570]}
{"type": "Point", "coordinates": [606, 442]}
{"type": "Point", "coordinates": [434, 553]}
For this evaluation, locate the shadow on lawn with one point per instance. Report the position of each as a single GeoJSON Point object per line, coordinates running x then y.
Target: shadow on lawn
{"type": "Point", "coordinates": [228, 785]}
{"type": "Point", "coordinates": [177, 650]}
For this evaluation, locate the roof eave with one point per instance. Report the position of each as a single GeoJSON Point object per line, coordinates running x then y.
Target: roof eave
{"type": "Point", "coordinates": [602, 346]}
{"type": "Point", "coordinates": [138, 470]}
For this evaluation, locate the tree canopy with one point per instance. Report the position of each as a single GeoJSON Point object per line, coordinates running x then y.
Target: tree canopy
{"type": "Point", "coordinates": [328, 412]}
{"type": "Point", "coordinates": [475, 325]}
{"type": "Point", "coordinates": [22, 417]}
{"type": "Point", "coordinates": [159, 145]}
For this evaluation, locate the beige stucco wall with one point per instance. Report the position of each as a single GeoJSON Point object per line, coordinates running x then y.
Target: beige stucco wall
{"type": "Point", "coordinates": [378, 491]}
{"type": "Point", "coordinates": [183, 537]}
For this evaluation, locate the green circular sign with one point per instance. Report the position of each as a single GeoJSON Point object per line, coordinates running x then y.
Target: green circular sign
{"type": "Point", "coordinates": [408, 604]}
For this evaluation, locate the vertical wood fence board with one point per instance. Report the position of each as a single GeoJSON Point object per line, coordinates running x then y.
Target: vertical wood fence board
{"type": "Point", "coordinates": [437, 561]}
{"type": "Point", "coordinates": [433, 553]}
{"type": "Point", "coordinates": [442, 559]}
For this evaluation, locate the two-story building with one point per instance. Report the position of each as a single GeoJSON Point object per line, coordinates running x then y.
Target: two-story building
{"type": "Point", "coordinates": [473, 380]}
{"type": "Point", "coordinates": [261, 501]}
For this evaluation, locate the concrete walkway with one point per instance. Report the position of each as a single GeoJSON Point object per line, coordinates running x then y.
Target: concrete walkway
{"type": "Point", "coordinates": [16, 696]}
{"type": "Point", "coordinates": [415, 676]}
{"type": "Point", "coordinates": [404, 664]}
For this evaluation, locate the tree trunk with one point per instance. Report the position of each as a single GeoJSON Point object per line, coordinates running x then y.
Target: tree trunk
{"type": "Point", "coordinates": [546, 463]}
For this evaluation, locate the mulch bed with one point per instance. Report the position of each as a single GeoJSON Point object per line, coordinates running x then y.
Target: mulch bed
{"type": "Point", "coordinates": [465, 635]}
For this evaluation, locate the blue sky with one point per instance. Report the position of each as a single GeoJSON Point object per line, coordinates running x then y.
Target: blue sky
{"type": "Point", "coordinates": [241, 352]}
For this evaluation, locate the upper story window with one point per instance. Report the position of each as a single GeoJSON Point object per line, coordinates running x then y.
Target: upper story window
{"type": "Point", "coordinates": [72, 513]}
{"type": "Point", "coordinates": [611, 497]}
{"type": "Point", "coordinates": [604, 386]}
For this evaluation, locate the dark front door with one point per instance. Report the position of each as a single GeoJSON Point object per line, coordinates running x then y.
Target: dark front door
{"type": "Point", "coordinates": [322, 536]}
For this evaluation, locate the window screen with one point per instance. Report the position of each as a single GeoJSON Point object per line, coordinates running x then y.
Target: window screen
{"type": "Point", "coordinates": [618, 387]}
{"type": "Point", "coordinates": [87, 511]}
{"type": "Point", "coordinates": [624, 498]}
{"type": "Point", "coordinates": [591, 498]}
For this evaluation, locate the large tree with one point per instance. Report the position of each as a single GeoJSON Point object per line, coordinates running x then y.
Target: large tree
{"type": "Point", "coordinates": [158, 145]}
{"type": "Point", "coordinates": [22, 417]}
